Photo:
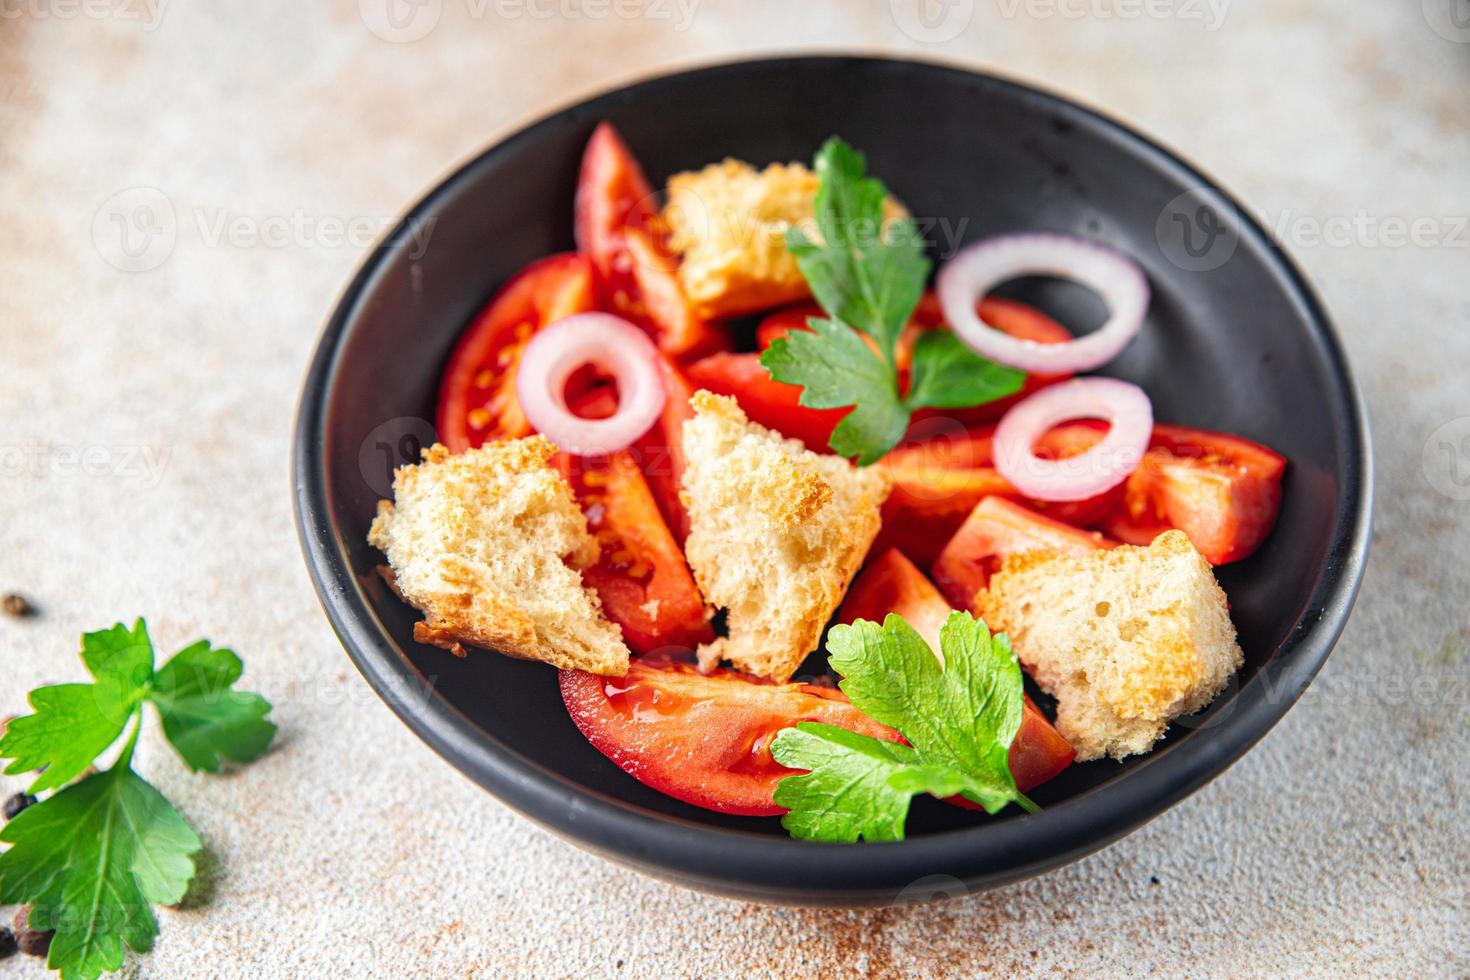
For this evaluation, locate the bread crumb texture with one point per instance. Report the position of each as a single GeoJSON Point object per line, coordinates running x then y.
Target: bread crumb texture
{"type": "Point", "coordinates": [728, 223]}
{"type": "Point", "coordinates": [1125, 639]}
{"type": "Point", "coordinates": [488, 545]}
{"type": "Point", "coordinates": [776, 533]}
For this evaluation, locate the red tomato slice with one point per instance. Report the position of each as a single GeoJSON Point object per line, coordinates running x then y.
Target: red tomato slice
{"type": "Point", "coordinates": [661, 451]}
{"type": "Point", "coordinates": [703, 740]}
{"type": "Point", "coordinates": [937, 483]}
{"type": "Point", "coordinates": [996, 529]}
{"type": "Point", "coordinates": [477, 392]}
{"type": "Point", "coordinates": [641, 575]}
{"type": "Point", "coordinates": [771, 403]}
{"type": "Point", "coordinates": [1221, 490]}
{"type": "Point", "coordinates": [615, 226]}
{"type": "Point", "coordinates": [892, 584]}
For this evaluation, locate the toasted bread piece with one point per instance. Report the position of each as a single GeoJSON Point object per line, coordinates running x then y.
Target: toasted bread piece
{"type": "Point", "coordinates": [1126, 640]}
{"type": "Point", "coordinates": [477, 542]}
{"type": "Point", "coordinates": [776, 533]}
{"type": "Point", "coordinates": [728, 223]}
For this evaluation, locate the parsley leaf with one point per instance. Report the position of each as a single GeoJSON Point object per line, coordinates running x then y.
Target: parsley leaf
{"type": "Point", "coordinates": [868, 275]}
{"type": "Point", "coordinates": [202, 716]}
{"type": "Point", "coordinates": [837, 367]}
{"type": "Point", "coordinates": [94, 857]}
{"type": "Point", "coordinates": [864, 272]}
{"type": "Point", "coordinates": [947, 374]}
{"type": "Point", "coordinates": [69, 729]}
{"type": "Point", "coordinates": [847, 793]}
{"type": "Point", "coordinates": [959, 719]}
{"type": "Point", "coordinates": [91, 860]}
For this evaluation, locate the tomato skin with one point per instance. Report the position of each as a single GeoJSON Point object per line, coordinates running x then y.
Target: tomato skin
{"type": "Point", "coordinates": [935, 486]}
{"type": "Point", "coordinates": [477, 395]}
{"type": "Point", "coordinates": [891, 584]}
{"type": "Point", "coordinates": [661, 450]}
{"type": "Point", "coordinates": [766, 401]}
{"type": "Point", "coordinates": [704, 740]}
{"type": "Point", "coordinates": [612, 197]}
{"type": "Point", "coordinates": [937, 483]}
{"type": "Point", "coordinates": [641, 575]}
{"type": "Point", "coordinates": [1223, 491]}
{"type": "Point", "coordinates": [615, 226]}
{"type": "Point", "coordinates": [996, 529]}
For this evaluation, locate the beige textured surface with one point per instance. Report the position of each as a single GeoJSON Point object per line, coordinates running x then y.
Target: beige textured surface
{"type": "Point", "coordinates": [1339, 844]}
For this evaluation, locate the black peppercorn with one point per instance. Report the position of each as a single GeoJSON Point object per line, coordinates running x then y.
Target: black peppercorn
{"type": "Point", "coordinates": [30, 941]}
{"type": "Point", "coordinates": [8, 945]}
{"type": "Point", "coordinates": [17, 606]}
{"type": "Point", "coordinates": [17, 803]}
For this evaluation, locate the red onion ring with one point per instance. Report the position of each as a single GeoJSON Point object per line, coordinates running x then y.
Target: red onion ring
{"type": "Point", "coordinates": [1125, 407]}
{"type": "Point", "coordinates": [610, 343]}
{"type": "Point", "coordinates": [979, 268]}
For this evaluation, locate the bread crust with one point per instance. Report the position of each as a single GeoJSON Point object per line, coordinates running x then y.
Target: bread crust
{"type": "Point", "coordinates": [776, 534]}
{"type": "Point", "coordinates": [487, 544]}
{"type": "Point", "coordinates": [1126, 639]}
{"type": "Point", "coordinates": [728, 223]}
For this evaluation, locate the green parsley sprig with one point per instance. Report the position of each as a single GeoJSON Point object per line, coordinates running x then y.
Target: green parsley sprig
{"type": "Point", "coordinates": [959, 718]}
{"type": "Point", "coordinates": [868, 275]}
{"type": "Point", "coordinates": [93, 858]}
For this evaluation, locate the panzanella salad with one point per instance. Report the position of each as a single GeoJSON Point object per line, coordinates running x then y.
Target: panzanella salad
{"type": "Point", "coordinates": [738, 432]}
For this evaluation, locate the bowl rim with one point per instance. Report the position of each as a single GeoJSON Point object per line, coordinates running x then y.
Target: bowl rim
{"type": "Point", "coordinates": [760, 866]}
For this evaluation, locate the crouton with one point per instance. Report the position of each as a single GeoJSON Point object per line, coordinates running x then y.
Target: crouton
{"type": "Point", "coordinates": [487, 545]}
{"type": "Point", "coordinates": [776, 533]}
{"type": "Point", "coordinates": [1126, 639]}
{"type": "Point", "coordinates": [728, 223]}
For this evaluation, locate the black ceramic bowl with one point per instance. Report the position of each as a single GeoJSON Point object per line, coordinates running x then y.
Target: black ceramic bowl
{"type": "Point", "coordinates": [1234, 340]}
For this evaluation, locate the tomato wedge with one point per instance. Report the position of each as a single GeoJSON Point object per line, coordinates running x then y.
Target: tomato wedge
{"type": "Point", "coordinates": [771, 403]}
{"type": "Point", "coordinates": [1223, 491]}
{"type": "Point", "coordinates": [996, 529]}
{"type": "Point", "coordinates": [477, 392]}
{"type": "Point", "coordinates": [615, 226]}
{"type": "Point", "coordinates": [937, 483]}
{"type": "Point", "coordinates": [892, 584]}
{"type": "Point", "coordinates": [705, 740]}
{"type": "Point", "coordinates": [641, 575]}
{"type": "Point", "coordinates": [661, 450]}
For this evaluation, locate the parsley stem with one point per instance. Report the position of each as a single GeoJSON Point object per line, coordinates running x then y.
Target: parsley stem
{"type": "Point", "coordinates": [125, 757]}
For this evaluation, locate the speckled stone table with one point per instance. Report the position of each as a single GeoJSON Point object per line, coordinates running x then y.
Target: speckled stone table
{"type": "Point", "coordinates": [149, 369]}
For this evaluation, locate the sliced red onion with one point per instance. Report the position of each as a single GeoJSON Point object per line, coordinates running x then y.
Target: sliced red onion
{"type": "Point", "coordinates": [1126, 409]}
{"type": "Point", "coordinates": [609, 343]}
{"type": "Point", "coordinates": [979, 268]}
